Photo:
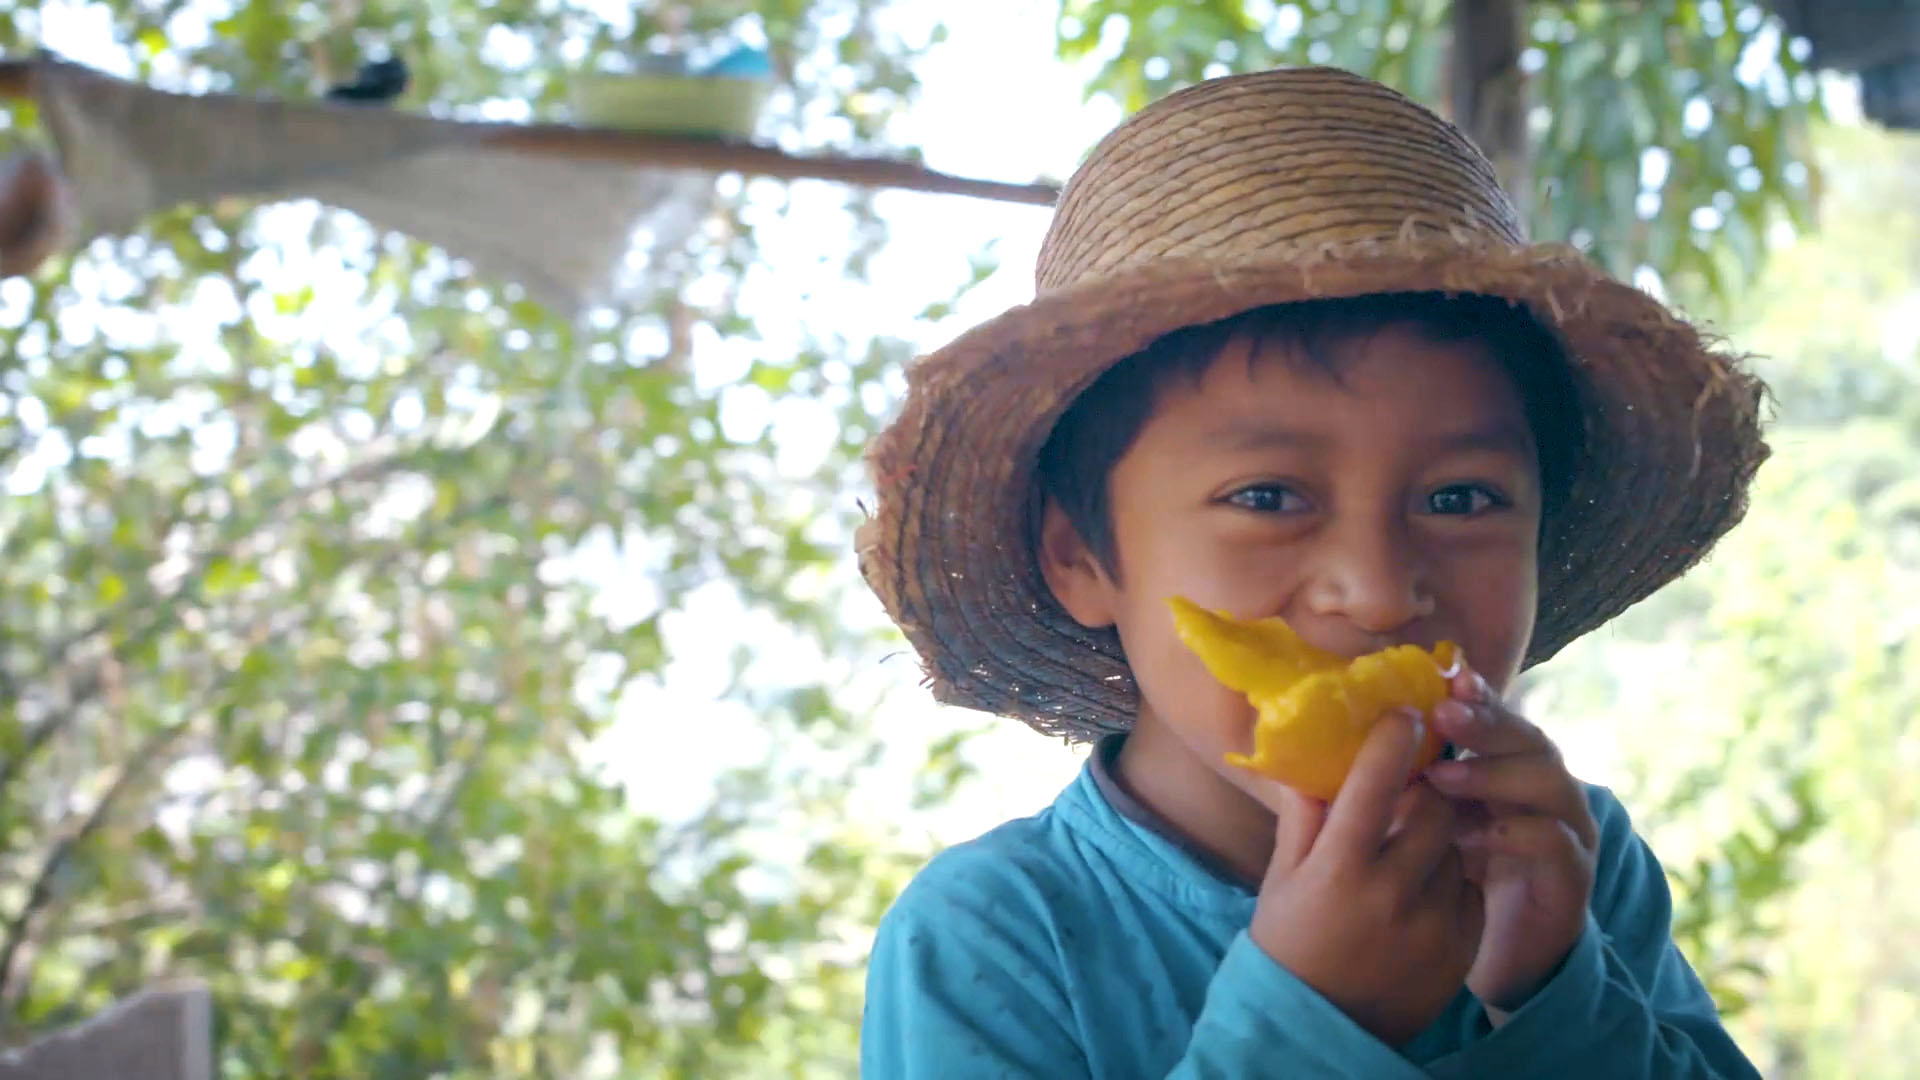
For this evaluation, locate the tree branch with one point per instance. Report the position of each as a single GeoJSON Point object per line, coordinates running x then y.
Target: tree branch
{"type": "Point", "coordinates": [134, 917]}
{"type": "Point", "coordinates": [40, 894]}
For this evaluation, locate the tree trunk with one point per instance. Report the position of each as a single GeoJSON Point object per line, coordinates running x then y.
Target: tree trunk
{"type": "Point", "coordinates": [1488, 92]}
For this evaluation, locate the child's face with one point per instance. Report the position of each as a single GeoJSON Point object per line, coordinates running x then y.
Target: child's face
{"type": "Point", "coordinates": [1395, 499]}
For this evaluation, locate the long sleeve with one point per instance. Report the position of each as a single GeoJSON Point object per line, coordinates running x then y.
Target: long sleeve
{"type": "Point", "coordinates": [953, 992]}
{"type": "Point", "coordinates": [1077, 944]}
{"type": "Point", "coordinates": [1625, 1003]}
{"type": "Point", "coordinates": [949, 994]}
{"type": "Point", "coordinates": [1260, 1021]}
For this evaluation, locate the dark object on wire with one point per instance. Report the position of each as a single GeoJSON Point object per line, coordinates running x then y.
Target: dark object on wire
{"type": "Point", "coordinates": [376, 83]}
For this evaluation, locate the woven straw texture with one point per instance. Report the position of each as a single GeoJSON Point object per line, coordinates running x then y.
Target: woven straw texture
{"type": "Point", "coordinates": [1241, 192]}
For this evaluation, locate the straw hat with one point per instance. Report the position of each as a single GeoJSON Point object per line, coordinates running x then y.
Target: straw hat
{"type": "Point", "coordinates": [1230, 195]}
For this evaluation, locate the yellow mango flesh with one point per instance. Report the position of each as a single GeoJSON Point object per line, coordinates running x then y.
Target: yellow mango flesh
{"type": "Point", "coordinates": [1315, 708]}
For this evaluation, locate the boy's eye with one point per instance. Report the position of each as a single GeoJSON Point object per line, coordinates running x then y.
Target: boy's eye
{"type": "Point", "coordinates": [1463, 500]}
{"type": "Point", "coordinates": [1267, 499]}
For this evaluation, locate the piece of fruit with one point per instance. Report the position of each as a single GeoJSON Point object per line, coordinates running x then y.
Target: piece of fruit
{"type": "Point", "coordinates": [1315, 707]}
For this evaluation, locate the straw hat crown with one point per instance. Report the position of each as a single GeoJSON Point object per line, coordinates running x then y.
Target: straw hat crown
{"type": "Point", "coordinates": [1273, 167]}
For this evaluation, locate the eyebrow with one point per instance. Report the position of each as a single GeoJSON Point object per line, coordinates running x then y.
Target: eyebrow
{"type": "Point", "coordinates": [1248, 433]}
{"type": "Point", "coordinates": [1496, 438]}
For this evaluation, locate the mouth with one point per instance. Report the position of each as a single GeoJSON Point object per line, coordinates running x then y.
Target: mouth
{"type": "Point", "coordinates": [1349, 648]}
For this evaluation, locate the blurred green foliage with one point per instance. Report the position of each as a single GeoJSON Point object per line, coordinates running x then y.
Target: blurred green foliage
{"type": "Point", "coordinates": [298, 674]}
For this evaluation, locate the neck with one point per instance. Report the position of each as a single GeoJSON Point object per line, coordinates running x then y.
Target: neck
{"type": "Point", "coordinates": [1192, 795]}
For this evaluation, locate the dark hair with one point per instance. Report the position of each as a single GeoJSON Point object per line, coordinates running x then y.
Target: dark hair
{"type": "Point", "coordinates": [1104, 420]}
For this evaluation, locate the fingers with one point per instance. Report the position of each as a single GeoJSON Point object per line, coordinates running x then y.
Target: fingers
{"type": "Point", "coordinates": [1530, 838]}
{"type": "Point", "coordinates": [1451, 892]}
{"type": "Point", "coordinates": [1514, 765]}
{"type": "Point", "coordinates": [1358, 820]}
{"type": "Point", "coordinates": [1469, 901]}
{"type": "Point", "coordinates": [1475, 861]}
{"type": "Point", "coordinates": [1488, 728]}
{"type": "Point", "coordinates": [1425, 840]}
{"type": "Point", "coordinates": [1474, 718]}
{"type": "Point", "coordinates": [1469, 686]}
{"type": "Point", "coordinates": [1532, 784]}
{"type": "Point", "coordinates": [1297, 824]}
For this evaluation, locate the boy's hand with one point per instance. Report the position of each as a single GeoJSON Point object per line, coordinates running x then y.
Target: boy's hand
{"type": "Point", "coordinates": [1531, 842]}
{"type": "Point", "coordinates": [1367, 900]}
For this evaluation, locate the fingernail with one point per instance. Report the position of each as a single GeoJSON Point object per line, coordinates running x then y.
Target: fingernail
{"type": "Point", "coordinates": [1481, 691]}
{"type": "Point", "coordinates": [1454, 713]}
{"type": "Point", "coordinates": [1470, 686]}
{"type": "Point", "coordinates": [1447, 772]}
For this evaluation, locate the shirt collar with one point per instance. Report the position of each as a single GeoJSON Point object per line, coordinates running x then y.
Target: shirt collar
{"type": "Point", "coordinates": [1100, 766]}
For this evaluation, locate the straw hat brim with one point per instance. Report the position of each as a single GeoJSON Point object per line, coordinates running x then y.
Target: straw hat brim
{"type": "Point", "coordinates": [1672, 441]}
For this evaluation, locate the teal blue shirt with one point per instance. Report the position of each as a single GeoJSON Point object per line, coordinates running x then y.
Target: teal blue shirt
{"type": "Point", "coordinates": [1086, 941]}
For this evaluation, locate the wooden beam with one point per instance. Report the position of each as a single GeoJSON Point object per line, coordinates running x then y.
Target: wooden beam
{"type": "Point", "coordinates": [756, 159]}
{"type": "Point", "coordinates": [648, 149]}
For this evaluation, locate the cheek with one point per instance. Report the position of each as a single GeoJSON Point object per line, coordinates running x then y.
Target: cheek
{"type": "Point", "coordinates": [1178, 690]}
{"type": "Point", "coordinates": [1248, 577]}
{"type": "Point", "coordinates": [1493, 609]}
{"type": "Point", "coordinates": [1247, 571]}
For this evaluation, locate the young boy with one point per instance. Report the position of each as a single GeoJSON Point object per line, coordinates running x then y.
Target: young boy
{"type": "Point", "coordinates": [1292, 356]}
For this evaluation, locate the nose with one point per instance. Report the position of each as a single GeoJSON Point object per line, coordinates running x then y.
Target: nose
{"type": "Point", "coordinates": [1368, 575]}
